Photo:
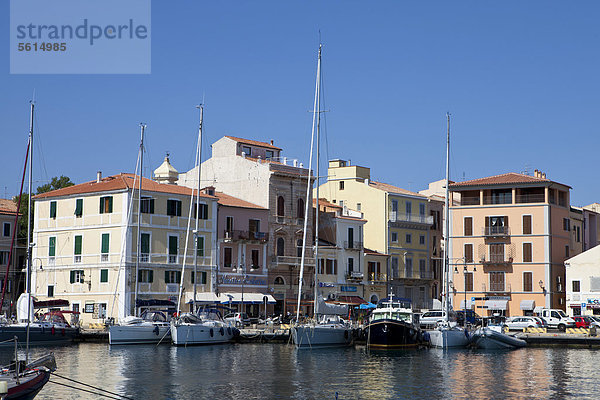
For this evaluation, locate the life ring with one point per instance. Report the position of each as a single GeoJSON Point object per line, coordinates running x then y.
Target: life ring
{"type": "Point", "coordinates": [222, 331]}
{"type": "Point", "coordinates": [211, 332]}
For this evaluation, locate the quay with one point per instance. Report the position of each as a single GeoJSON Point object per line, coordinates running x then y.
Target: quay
{"type": "Point", "coordinates": [554, 339]}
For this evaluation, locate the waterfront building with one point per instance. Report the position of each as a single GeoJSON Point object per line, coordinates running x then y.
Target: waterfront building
{"type": "Point", "coordinates": [376, 284]}
{"type": "Point", "coordinates": [583, 283]}
{"type": "Point", "coordinates": [398, 224]}
{"type": "Point", "coordinates": [257, 172]}
{"type": "Point", "coordinates": [509, 238]}
{"type": "Point", "coordinates": [591, 224]}
{"type": "Point", "coordinates": [86, 244]}
{"type": "Point", "coordinates": [15, 282]}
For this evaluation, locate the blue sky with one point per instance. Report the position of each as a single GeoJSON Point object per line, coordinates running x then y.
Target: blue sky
{"type": "Point", "coordinates": [519, 78]}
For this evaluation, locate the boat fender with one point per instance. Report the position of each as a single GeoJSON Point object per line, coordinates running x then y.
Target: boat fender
{"type": "Point", "coordinates": [155, 330]}
{"type": "Point", "coordinates": [426, 336]}
{"type": "Point", "coordinates": [62, 331]}
{"type": "Point", "coordinates": [222, 331]}
{"type": "Point", "coordinates": [229, 330]}
{"type": "Point", "coordinates": [346, 334]}
{"type": "Point", "coordinates": [212, 333]}
{"type": "Point", "coordinates": [467, 333]}
{"type": "Point", "coordinates": [53, 331]}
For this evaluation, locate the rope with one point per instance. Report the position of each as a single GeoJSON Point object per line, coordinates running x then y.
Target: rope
{"type": "Point", "coordinates": [85, 390]}
{"type": "Point", "coordinates": [118, 396]}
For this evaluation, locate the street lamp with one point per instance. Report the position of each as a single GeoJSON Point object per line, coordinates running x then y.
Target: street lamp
{"type": "Point", "coordinates": [465, 271]}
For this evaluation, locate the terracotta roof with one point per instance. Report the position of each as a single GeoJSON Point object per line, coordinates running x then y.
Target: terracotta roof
{"type": "Point", "coordinates": [503, 179]}
{"type": "Point", "coordinates": [119, 182]}
{"type": "Point", "coordinates": [230, 201]}
{"type": "Point", "coordinates": [393, 189]}
{"type": "Point", "coordinates": [374, 253]}
{"type": "Point", "coordinates": [351, 218]}
{"type": "Point", "coordinates": [253, 142]}
{"type": "Point", "coordinates": [325, 203]}
{"type": "Point", "coordinates": [7, 207]}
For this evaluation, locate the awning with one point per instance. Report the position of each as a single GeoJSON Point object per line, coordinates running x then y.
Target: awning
{"type": "Point", "coordinates": [51, 303]}
{"type": "Point", "coordinates": [207, 297]}
{"type": "Point", "coordinates": [527, 305]}
{"type": "Point", "coordinates": [575, 305]}
{"type": "Point", "coordinates": [367, 306]}
{"type": "Point", "coordinates": [350, 300]}
{"type": "Point", "coordinates": [154, 303]}
{"type": "Point", "coordinates": [538, 309]}
{"type": "Point", "coordinates": [496, 304]}
{"type": "Point", "coordinates": [470, 304]}
{"type": "Point", "coordinates": [249, 298]}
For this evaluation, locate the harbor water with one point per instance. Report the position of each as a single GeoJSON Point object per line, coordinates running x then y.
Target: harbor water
{"type": "Point", "coordinates": [277, 371]}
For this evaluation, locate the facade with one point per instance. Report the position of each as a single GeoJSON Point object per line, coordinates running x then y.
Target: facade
{"type": "Point", "coordinates": [591, 223]}
{"type": "Point", "coordinates": [376, 284]}
{"type": "Point", "coordinates": [583, 283]}
{"type": "Point", "coordinates": [15, 283]}
{"type": "Point", "coordinates": [257, 173]}
{"type": "Point", "coordinates": [86, 242]}
{"type": "Point", "coordinates": [509, 238]}
{"type": "Point", "coordinates": [398, 224]}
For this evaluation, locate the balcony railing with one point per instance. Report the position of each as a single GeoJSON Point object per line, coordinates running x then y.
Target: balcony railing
{"type": "Point", "coordinates": [354, 275]}
{"type": "Point", "coordinates": [51, 261]}
{"type": "Point", "coordinates": [497, 200]}
{"type": "Point", "coordinates": [499, 258]}
{"type": "Point", "coordinates": [172, 259]}
{"type": "Point", "coordinates": [496, 231]}
{"type": "Point", "coordinates": [246, 235]}
{"type": "Point", "coordinates": [144, 257]}
{"type": "Point", "coordinates": [499, 287]}
{"type": "Point", "coordinates": [103, 257]}
{"type": "Point", "coordinates": [469, 200]}
{"type": "Point", "coordinates": [356, 245]}
{"type": "Point", "coordinates": [77, 259]}
{"type": "Point", "coordinates": [172, 287]}
{"type": "Point", "coordinates": [530, 198]}
{"type": "Point", "coordinates": [373, 277]}
{"type": "Point", "coordinates": [424, 274]}
{"type": "Point", "coordinates": [292, 260]}
{"type": "Point", "coordinates": [413, 218]}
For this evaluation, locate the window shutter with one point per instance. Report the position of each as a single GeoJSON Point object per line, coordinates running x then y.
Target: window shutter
{"type": "Point", "coordinates": [72, 280]}
{"type": "Point", "coordinates": [178, 276]}
{"type": "Point", "coordinates": [52, 209]}
{"type": "Point", "coordinates": [79, 207]}
{"type": "Point", "coordinates": [506, 221]}
{"type": "Point", "coordinates": [151, 206]}
{"type": "Point", "coordinates": [167, 277]}
{"type": "Point", "coordinates": [193, 277]}
{"type": "Point", "coordinates": [110, 204]}
{"type": "Point", "coordinates": [150, 276]}
{"type": "Point", "coordinates": [101, 205]}
{"type": "Point", "coordinates": [203, 278]}
{"type": "Point", "coordinates": [52, 247]}
{"type": "Point", "coordinates": [103, 275]}
{"type": "Point", "coordinates": [178, 203]}
{"type": "Point", "coordinates": [200, 246]}
{"type": "Point", "coordinates": [105, 243]}
{"type": "Point", "coordinates": [78, 245]}
{"type": "Point", "coordinates": [145, 243]}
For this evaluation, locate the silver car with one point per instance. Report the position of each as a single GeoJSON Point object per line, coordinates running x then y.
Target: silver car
{"type": "Point", "coordinates": [519, 323]}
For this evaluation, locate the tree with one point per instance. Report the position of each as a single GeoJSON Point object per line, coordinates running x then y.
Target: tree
{"type": "Point", "coordinates": [55, 183]}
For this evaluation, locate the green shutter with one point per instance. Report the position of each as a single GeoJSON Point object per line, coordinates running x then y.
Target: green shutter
{"type": "Point", "coordinates": [103, 275]}
{"type": "Point", "coordinates": [52, 209]}
{"type": "Point", "coordinates": [178, 275]}
{"type": "Point", "coordinates": [178, 203]}
{"type": "Point", "coordinates": [72, 277]}
{"type": "Point", "coordinates": [101, 205]}
{"type": "Point", "coordinates": [77, 245]}
{"type": "Point", "coordinates": [193, 276]}
{"type": "Point", "coordinates": [52, 247]}
{"type": "Point", "coordinates": [79, 207]}
{"type": "Point", "coordinates": [167, 277]}
{"type": "Point", "coordinates": [200, 246]}
{"type": "Point", "coordinates": [145, 243]}
{"type": "Point", "coordinates": [105, 243]}
{"type": "Point", "coordinates": [203, 278]}
{"type": "Point", "coordinates": [150, 276]}
{"type": "Point", "coordinates": [151, 206]}
{"type": "Point", "coordinates": [110, 204]}
{"type": "Point", "coordinates": [172, 245]}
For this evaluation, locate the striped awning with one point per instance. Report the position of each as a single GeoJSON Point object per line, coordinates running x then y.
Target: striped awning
{"type": "Point", "coordinates": [500, 305]}
{"type": "Point", "coordinates": [527, 305]}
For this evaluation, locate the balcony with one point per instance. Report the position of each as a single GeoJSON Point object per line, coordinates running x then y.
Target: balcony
{"type": "Point", "coordinates": [530, 198]}
{"type": "Point", "coordinates": [353, 245]}
{"type": "Point", "coordinates": [77, 259]}
{"type": "Point", "coordinates": [499, 199]}
{"type": "Point", "coordinates": [469, 200]}
{"type": "Point", "coordinates": [496, 231]}
{"type": "Point", "coordinates": [498, 287]}
{"type": "Point", "coordinates": [51, 261]}
{"type": "Point", "coordinates": [499, 258]}
{"type": "Point", "coordinates": [172, 259]}
{"type": "Point", "coordinates": [234, 235]}
{"type": "Point", "coordinates": [423, 274]}
{"type": "Point", "coordinates": [373, 277]}
{"type": "Point", "coordinates": [398, 218]}
{"type": "Point", "coordinates": [144, 257]}
{"type": "Point", "coordinates": [288, 260]}
{"type": "Point", "coordinates": [144, 287]}
{"type": "Point", "coordinates": [354, 275]}
{"type": "Point", "coordinates": [103, 257]}
{"type": "Point", "coordinates": [172, 287]}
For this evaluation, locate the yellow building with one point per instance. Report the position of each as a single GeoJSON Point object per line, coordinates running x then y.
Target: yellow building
{"type": "Point", "coordinates": [398, 224]}
{"type": "Point", "coordinates": [86, 245]}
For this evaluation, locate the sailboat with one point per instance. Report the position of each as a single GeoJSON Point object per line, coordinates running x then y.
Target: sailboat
{"type": "Point", "coordinates": [326, 329]}
{"type": "Point", "coordinates": [447, 334]}
{"type": "Point", "coordinates": [205, 326]}
{"type": "Point", "coordinates": [152, 326]}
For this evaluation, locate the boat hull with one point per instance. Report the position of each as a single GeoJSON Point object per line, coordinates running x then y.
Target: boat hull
{"type": "Point", "coordinates": [28, 387]}
{"type": "Point", "coordinates": [389, 333]}
{"type": "Point", "coordinates": [192, 334]}
{"type": "Point", "coordinates": [139, 333]}
{"type": "Point", "coordinates": [38, 335]}
{"type": "Point", "coordinates": [311, 336]}
{"type": "Point", "coordinates": [448, 338]}
{"type": "Point", "coordinates": [492, 340]}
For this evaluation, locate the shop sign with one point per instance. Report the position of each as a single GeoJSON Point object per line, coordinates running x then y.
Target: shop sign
{"type": "Point", "coordinates": [348, 288]}
{"type": "Point", "coordinates": [593, 303]}
{"type": "Point", "coordinates": [237, 280]}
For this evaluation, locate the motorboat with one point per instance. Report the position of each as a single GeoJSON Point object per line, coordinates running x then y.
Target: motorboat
{"type": "Point", "coordinates": [20, 380]}
{"type": "Point", "coordinates": [204, 327]}
{"type": "Point", "coordinates": [393, 325]}
{"type": "Point", "coordinates": [150, 327]}
{"type": "Point", "coordinates": [329, 331]}
{"type": "Point", "coordinates": [448, 335]}
{"type": "Point", "coordinates": [492, 337]}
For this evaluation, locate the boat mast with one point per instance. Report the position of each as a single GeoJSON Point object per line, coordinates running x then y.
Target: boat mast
{"type": "Point", "coordinates": [199, 153]}
{"type": "Point", "coordinates": [139, 209]}
{"type": "Point", "coordinates": [318, 116]}
{"type": "Point", "coordinates": [29, 241]}
{"type": "Point", "coordinates": [308, 187]}
{"type": "Point", "coordinates": [447, 220]}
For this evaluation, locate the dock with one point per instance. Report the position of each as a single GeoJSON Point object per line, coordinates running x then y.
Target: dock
{"type": "Point", "coordinates": [92, 335]}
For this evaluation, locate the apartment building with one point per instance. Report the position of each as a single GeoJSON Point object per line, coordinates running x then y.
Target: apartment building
{"type": "Point", "coordinates": [257, 172]}
{"type": "Point", "coordinates": [86, 240]}
{"type": "Point", "coordinates": [583, 283]}
{"type": "Point", "coordinates": [15, 282]}
{"type": "Point", "coordinates": [398, 224]}
{"type": "Point", "coordinates": [509, 238]}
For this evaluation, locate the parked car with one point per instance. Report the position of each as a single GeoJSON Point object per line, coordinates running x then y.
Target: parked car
{"type": "Point", "coordinates": [237, 319]}
{"type": "Point", "coordinates": [582, 321]}
{"type": "Point", "coordinates": [472, 317]}
{"type": "Point", "coordinates": [557, 319]}
{"type": "Point", "coordinates": [430, 318]}
{"type": "Point", "coordinates": [519, 323]}
{"type": "Point", "coordinates": [542, 322]}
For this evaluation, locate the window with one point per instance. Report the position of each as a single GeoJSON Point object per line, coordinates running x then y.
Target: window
{"type": "Point", "coordinates": [341, 185]}
{"type": "Point", "coordinates": [527, 281]}
{"type": "Point", "coordinates": [527, 252]}
{"type": "Point", "coordinates": [566, 224]}
{"type": "Point", "coordinates": [567, 251]}
{"type": "Point", "coordinates": [373, 269]}
{"type": "Point", "coordinates": [280, 246]}
{"type": "Point", "coordinates": [469, 282]}
{"type": "Point", "coordinates": [106, 205]}
{"type": "Point", "coordinates": [468, 253]}
{"type": "Point", "coordinates": [496, 225]}
{"type": "Point", "coordinates": [202, 280]}
{"type": "Point", "coordinates": [408, 238]}
{"type": "Point", "coordinates": [105, 246]}
{"type": "Point", "coordinates": [350, 265]}
{"type": "Point", "coordinates": [394, 237]}
{"type": "Point", "coordinates": [247, 150]}
{"type": "Point", "coordinates": [497, 252]}
{"type": "Point", "coordinates": [53, 209]}
{"type": "Point", "coordinates": [468, 226]}
{"type": "Point", "coordinates": [562, 198]}
{"type": "Point", "coordinates": [203, 211]}
{"type": "Point", "coordinates": [422, 268]}
{"type": "Point", "coordinates": [228, 224]}
{"type": "Point", "coordinates": [395, 273]}
{"type": "Point", "coordinates": [6, 230]}
{"type": "Point", "coordinates": [358, 207]}
{"type": "Point", "coordinates": [558, 284]}
{"type": "Point", "coordinates": [526, 224]}
{"type": "Point", "coordinates": [497, 281]}
{"type": "Point", "coordinates": [578, 234]}
{"type": "Point", "coordinates": [408, 208]}
{"type": "Point", "coordinates": [146, 276]}
{"type": "Point", "coordinates": [145, 247]}
{"type": "Point", "coordinates": [172, 277]}
{"type": "Point", "coordinates": [78, 207]}
{"type": "Point", "coordinates": [576, 286]}
{"type": "Point", "coordinates": [279, 281]}
{"type": "Point", "coordinates": [77, 249]}
{"type": "Point", "coordinates": [408, 267]}
{"type": "Point", "coordinates": [299, 248]}
{"type": "Point", "coordinates": [173, 249]}
{"type": "Point", "coordinates": [422, 239]}
{"type": "Point", "coordinates": [174, 208]}
{"type": "Point", "coordinates": [331, 267]}
{"type": "Point", "coordinates": [76, 276]}
{"type": "Point", "coordinates": [50, 290]}
{"type": "Point", "coordinates": [300, 211]}
{"type": "Point", "coordinates": [227, 257]}
{"type": "Point", "coordinates": [51, 246]}
{"type": "Point", "coordinates": [3, 257]}
{"type": "Point", "coordinates": [103, 276]}
{"type": "Point", "coordinates": [255, 255]}
{"type": "Point", "coordinates": [147, 205]}
{"type": "Point", "coordinates": [394, 205]}
{"type": "Point", "coordinates": [280, 206]}
{"type": "Point", "coordinates": [269, 154]}
{"type": "Point", "coordinates": [422, 209]}
{"type": "Point", "coordinates": [200, 246]}
{"type": "Point", "coordinates": [350, 238]}
{"type": "Point", "coordinates": [254, 226]}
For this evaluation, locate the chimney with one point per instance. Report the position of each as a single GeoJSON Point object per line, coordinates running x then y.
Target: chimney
{"type": "Point", "coordinates": [295, 163]}
{"type": "Point", "coordinates": [271, 142]}
{"type": "Point", "coordinates": [98, 176]}
{"type": "Point", "coordinates": [535, 173]}
{"type": "Point", "coordinates": [284, 160]}
{"type": "Point", "coordinates": [544, 175]}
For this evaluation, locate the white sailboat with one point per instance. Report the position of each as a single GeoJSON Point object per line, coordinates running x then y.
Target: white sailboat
{"type": "Point", "coordinates": [326, 330]}
{"type": "Point", "coordinates": [150, 327]}
{"type": "Point", "coordinates": [447, 334]}
{"type": "Point", "coordinates": [205, 326]}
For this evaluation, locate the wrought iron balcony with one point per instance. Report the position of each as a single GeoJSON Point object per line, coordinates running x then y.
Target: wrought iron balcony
{"type": "Point", "coordinates": [287, 260]}
{"type": "Point", "coordinates": [373, 277]}
{"type": "Point", "coordinates": [500, 258]}
{"type": "Point", "coordinates": [354, 275]}
{"type": "Point", "coordinates": [234, 235]}
{"type": "Point", "coordinates": [496, 231]}
{"type": "Point", "coordinates": [396, 217]}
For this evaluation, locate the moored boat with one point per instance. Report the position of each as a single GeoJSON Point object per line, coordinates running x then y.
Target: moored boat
{"type": "Point", "coordinates": [330, 331]}
{"type": "Point", "coordinates": [205, 327]}
{"type": "Point", "coordinates": [490, 338]}
{"type": "Point", "coordinates": [151, 327]}
{"type": "Point", "coordinates": [392, 325]}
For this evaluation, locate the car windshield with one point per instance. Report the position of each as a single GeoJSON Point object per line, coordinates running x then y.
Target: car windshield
{"type": "Point", "coordinates": [562, 313]}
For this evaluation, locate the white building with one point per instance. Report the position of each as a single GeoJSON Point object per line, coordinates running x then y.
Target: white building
{"type": "Point", "coordinates": [583, 283]}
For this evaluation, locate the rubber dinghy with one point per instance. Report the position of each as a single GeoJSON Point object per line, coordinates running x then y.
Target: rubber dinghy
{"type": "Point", "coordinates": [489, 338]}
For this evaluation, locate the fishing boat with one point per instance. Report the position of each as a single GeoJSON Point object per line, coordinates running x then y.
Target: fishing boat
{"type": "Point", "coordinates": [393, 325]}
{"type": "Point", "coordinates": [447, 334]}
{"type": "Point", "coordinates": [325, 330]}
